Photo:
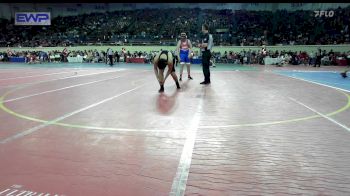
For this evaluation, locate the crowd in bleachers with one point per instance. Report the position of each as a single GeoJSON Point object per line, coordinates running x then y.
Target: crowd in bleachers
{"type": "Point", "coordinates": [320, 57]}
{"type": "Point", "coordinates": [89, 56]}
{"type": "Point", "coordinates": [229, 27]}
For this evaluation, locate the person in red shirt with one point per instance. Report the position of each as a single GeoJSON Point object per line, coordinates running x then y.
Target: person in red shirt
{"type": "Point", "coordinates": [64, 55]}
{"type": "Point", "coordinates": [184, 49]}
{"type": "Point", "coordinates": [33, 59]}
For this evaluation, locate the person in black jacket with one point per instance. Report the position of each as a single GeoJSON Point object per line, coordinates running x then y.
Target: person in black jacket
{"type": "Point", "coordinates": [318, 59]}
{"type": "Point", "coordinates": [117, 56]}
{"type": "Point", "coordinates": [344, 74]}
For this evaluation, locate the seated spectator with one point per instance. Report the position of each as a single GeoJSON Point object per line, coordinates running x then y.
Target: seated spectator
{"type": "Point", "coordinates": [33, 59]}
{"type": "Point", "coordinates": [325, 60]}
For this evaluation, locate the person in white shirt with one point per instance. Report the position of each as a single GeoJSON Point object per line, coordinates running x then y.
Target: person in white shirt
{"type": "Point", "coordinates": [110, 56]}
{"type": "Point", "coordinates": [312, 58]}
{"type": "Point", "coordinates": [212, 60]}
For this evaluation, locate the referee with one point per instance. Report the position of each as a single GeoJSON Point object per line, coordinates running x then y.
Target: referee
{"type": "Point", "coordinates": [206, 46]}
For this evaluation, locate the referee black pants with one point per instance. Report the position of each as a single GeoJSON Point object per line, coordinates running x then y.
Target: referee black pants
{"type": "Point", "coordinates": [206, 55]}
{"type": "Point", "coordinates": [110, 59]}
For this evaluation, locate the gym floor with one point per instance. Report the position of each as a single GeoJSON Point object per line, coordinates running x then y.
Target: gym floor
{"type": "Point", "coordinates": [90, 129]}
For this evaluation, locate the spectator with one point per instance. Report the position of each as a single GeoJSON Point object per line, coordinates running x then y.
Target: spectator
{"type": "Point", "coordinates": [110, 56]}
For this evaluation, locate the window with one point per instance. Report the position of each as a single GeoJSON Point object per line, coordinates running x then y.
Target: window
{"type": "Point", "coordinates": [71, 9]}
{"type": "Point", "coordinates": [98, 7]}
{"type": "Point", "coordinates": [297, 4]}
